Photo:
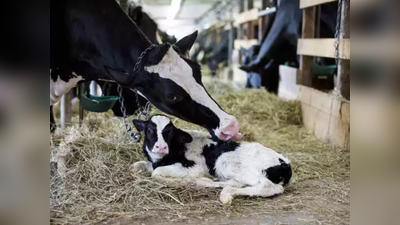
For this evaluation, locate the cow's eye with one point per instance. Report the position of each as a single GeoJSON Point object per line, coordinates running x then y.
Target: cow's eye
{"type": "Point", "coordinates": [174, 98]}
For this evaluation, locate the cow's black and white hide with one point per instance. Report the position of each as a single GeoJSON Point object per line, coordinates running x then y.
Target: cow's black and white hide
{"type": "Point", "coordinates": [242, 168]}
{"type": "Point", "coordinates": [150, 29]}
{"type": "Point", "coordinates": [96, 40]}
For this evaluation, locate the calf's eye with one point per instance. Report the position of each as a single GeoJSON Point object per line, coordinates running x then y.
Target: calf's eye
{"type": "Point", "coordinates": [150, 131]}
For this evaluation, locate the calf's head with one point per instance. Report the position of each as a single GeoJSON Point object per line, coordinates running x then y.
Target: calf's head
{"type": "Point", "coordinates": [172, 82]}
{"type": "Point", "coordinates": [160, 134]}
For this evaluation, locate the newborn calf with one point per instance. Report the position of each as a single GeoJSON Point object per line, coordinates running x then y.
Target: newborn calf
{"type": "Point", "coordinates": [243, 168]}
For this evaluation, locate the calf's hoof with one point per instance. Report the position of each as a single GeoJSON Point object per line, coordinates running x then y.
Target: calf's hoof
{"type": "Point", "coordinates": [279, 189]}
{"type": "Point", "coordinates": [226, 196]}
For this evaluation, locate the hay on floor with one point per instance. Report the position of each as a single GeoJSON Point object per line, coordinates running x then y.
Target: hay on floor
{"type": "Point", "coordinates": [99, 183]}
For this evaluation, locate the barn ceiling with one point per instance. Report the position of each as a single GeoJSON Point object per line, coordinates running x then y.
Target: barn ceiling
{"type": "Point", "coordinates": [184, 21]}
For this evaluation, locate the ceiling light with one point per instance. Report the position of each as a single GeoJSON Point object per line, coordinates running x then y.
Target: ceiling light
{"type": "Point", "coordinates": [173, 9]}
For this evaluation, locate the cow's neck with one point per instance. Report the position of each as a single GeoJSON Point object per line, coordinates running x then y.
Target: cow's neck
{"type": "Point", "coordinates": [112, 40]}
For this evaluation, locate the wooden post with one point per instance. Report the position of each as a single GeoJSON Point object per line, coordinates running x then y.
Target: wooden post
{"type": "Point", "coordinates": [250, 30]}
{"type": "Point", "coordinates": [250, 4]}
{"type": "Point", "coordinates": [80, 105]}
{"type": "Point", "coordinates": [231, 47]}
{"type": "Point", "coordinates": [343, 78]}
{"type": "Point", "coordinates": [241, 6]}
{"type": "Point", "coordinates": [240, 26]}
{"type": "Point", "coordinates": [250, 25]}
{"type": "Point", "coordinates": [262, 20]}
{"type": "Point", "coordinates": [66, 110]}
{"type": "Point", "coordinates": [306, 62]}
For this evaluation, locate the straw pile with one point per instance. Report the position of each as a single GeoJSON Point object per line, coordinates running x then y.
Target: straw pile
{"type": "Point", "coordinates": [98, 183]}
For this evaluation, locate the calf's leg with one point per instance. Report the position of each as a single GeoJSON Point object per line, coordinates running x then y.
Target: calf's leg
{"type": "Point", "coordinates": [174, 171]}
{"type": "Point", "coordinates": [144, 166]}
{"type": "Point", "coordinates": [207, 182]}
{"type": "Point", "coordinates": [265, 188]}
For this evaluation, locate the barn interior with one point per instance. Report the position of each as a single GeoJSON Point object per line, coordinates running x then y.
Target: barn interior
{"type": "Point", "coordinates": [282, 67]}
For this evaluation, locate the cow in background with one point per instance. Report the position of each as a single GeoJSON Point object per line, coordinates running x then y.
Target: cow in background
{"type": "Point", "coordinates": [279, 42]}
{"type": "Point", "coordinates": [166, 38]}
{"type": "Point", "coordinates": [201, 48]}
{"type": "Point", "coordinates": [219, 53]}
{"type": "Point", "coordinates": [209, 51]}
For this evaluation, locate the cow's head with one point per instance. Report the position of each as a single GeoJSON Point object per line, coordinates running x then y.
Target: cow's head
{"type": "Point", "coordinates": [172, 82]}
{"type": "Point", "coordinates": [249, 54]}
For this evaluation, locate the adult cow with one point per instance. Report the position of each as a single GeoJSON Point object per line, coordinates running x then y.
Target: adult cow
{"type": "Point", "coordinates": [219, 53]}
{"type": "Point", "coordinates": [166, 38]}
{"type": "Point", "coordinates": [150, 29]}
{"type": "Point", "coordinates": [279, 43]}
{"type": "Point", "coordinates": [96, 40]}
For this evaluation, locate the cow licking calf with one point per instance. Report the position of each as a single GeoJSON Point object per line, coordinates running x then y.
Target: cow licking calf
{"type": "Point", "coordinates": [242, 168]}
{"type": "Point", "coordinates": [96, 40]}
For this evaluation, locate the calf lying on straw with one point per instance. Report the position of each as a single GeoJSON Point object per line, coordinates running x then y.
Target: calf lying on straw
{"type": "Point", "coordinates": [242, 168]}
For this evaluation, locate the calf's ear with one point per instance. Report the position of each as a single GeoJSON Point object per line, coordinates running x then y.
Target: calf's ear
{"type": "Point", "coordinates": [183, 137]}
{"type": "Point", "coordinates": [139, 124]}
{"type": "Point", "coordinates": [186, 43]}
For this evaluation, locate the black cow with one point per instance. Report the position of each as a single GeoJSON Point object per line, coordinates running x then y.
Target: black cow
{"type": "Point", "coordinates": [166, 38]}
{"type": "Point", "coordinates": [210, 53]}
{"type": "Point", "coordinates": [279, 43]}
{"type": "Point", "coordinates": [96, 40]}
{"type": "Point", "coordinates": [149, 28]}
{"type": "Point", "coordinates": [144, 22]}
{"type": "Point", "coordinates": [219, 53]}
{"type": "Point", "coordinates": [205, 45]}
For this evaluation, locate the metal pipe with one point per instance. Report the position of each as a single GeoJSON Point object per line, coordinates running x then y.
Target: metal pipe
{"type": "Point", "coordinates": [266, 12]}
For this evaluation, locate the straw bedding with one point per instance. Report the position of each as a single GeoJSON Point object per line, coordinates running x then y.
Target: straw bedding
{"type": "Point", "coordinates": [97, 182]}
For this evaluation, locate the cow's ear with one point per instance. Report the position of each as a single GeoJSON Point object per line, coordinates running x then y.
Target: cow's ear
{"type": "Point", "coordinates": [186, 43]}
{"type": "Point", "coordinates": [183, 137]}
{"type": "Point", "coordinates": [136, 15]}
{"type": "Point", "coordinates": [139, 124]}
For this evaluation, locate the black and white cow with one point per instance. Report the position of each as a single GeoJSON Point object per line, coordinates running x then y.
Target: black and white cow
{"type": "Point", "coordinates": [166, 38]}
{"type": "Point", "coordinates": [150, 29]}
{"type": "Point", "coordinates": [279, 42]}
{"type": "Point", "coordinates": [219, 53]}
{"type": "Point", "coordinates": [96, 40]}
{"type": "Point", "coordinates": [243, 168]}
{"type": "Point", "coordinates": [267, 77]}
